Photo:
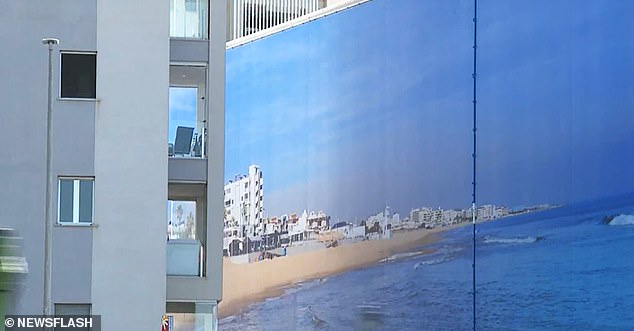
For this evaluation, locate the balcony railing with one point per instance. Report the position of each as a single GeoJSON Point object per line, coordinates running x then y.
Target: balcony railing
{"type": "Point", "coordinates": [185, 258]}
{"type": "Point", "coordinates": [249, 16]}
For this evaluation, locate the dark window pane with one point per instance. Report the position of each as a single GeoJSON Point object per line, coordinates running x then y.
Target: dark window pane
{"type": "Point", "coordinates": [66, 200]}
{"type": "Point", "coordinates": [79, 72]}
{"type": "Point", "coordinates": [85, 200]}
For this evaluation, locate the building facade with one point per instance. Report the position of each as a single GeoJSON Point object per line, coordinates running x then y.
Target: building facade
{"type": "Point", "coordinates": [119, 154]}
{"type": "Point", "coordinates": [318, 221]}
{"type": "Point", "coordinates": [244, 199]}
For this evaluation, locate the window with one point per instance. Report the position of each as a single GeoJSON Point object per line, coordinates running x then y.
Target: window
{"type": "Point", "coordinates": [69, 309]}
{"type": "Point", "coordinates": [187, 132]}
{"type": "Point", "coordinates": [78, 75]}
{"type": "Point", "coordinates": [188, 19]}
{"type": "Point", "coordinates": [183, 122]}
{"type": "Point", "coordinates": [75, 201]}
{"type": "Point", "coordinates": [181, 220]}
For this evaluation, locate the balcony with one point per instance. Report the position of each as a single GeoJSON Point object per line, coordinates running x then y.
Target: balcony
{"type": "Point", "coordinates": [187, 129]}
{"type": "Point", "coordinates": [186, 230]}
{"type": "Point", "coordinates": [245, 17]}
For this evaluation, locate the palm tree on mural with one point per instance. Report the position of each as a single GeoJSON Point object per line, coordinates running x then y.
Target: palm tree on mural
{"type": "Point", "coordinates": [190, 227]}
{"type": "Point", "coordinates": [179, 213]}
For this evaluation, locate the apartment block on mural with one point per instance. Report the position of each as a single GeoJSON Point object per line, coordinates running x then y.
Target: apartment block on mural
{"type": "Point", "coordinates": [244, 208]}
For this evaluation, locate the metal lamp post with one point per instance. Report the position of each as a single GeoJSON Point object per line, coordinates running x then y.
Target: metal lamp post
{"type": "Point", "coordinates": [48, 221]}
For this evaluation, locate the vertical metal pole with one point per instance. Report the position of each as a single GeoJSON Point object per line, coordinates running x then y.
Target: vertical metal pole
{"type": "Point", "coordinates": [251, 16]}
{"type": "Point", "coordinates": [473, 202]}
{"type": "Point", "coordinates": [48, 226]}
{"type": "Point", "coordinates": [234, 21]}
{"type": "Point", "coordinates": [239, 19]}
{"type": "Point", "coordinates": [261, 12]}
{"type": "Point", "coordinates": [258, 23]}
{"type": "Point", "coordinates": [277, 12]}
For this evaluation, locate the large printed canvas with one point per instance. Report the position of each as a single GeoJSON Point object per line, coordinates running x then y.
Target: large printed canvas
{"type": "Point", "coordinates": [348, 175]}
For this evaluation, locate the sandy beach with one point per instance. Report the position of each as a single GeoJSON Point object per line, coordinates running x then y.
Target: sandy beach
{"type": "Point", "coordinates": [244, 284]}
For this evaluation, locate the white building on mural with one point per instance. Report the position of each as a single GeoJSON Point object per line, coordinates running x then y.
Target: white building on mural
{"type": "Point", "coordinates": [500, 211]}
{"type": "Point", "coordinates": [396, 218]}
{"type": "Point", "coordinates": [489, 212]}
{"type": "Point", "coordinates": [420, 215]}
{"type": "Point", "coordinates": [381, 222]}
{"type": "Point", "coordinates": [297, 226]}
{"type": "Point", "coordinates": [318, 221]}
{"type": "Point", "coordinates": [485, 212]}
{"type": "Point", "coordinates": [244, 205]}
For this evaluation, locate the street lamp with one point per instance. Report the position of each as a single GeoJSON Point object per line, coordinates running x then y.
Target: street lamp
{"type": "Point", "coordinates": [48, 221]}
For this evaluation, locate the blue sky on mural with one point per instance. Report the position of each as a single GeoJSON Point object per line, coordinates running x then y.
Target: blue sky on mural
{"type": "Point", "coordinates": [557, 100]}
{"type": "Point", "coordinates": [372, 106]}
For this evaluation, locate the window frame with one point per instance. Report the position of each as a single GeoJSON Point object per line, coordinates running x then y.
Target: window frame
{"type": "Point", "coordinates": [196, 216]}
{"type": "Point", "coordinates": [206, 31]}
{"type": "Point", "coordinates": [59, 201]}
{"type": "Point", "coordinates": [59, 81]}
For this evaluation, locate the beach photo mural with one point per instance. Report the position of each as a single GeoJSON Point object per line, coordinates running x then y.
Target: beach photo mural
{"type": "Point", "coordinates": [556, 128]}
{"type": "Point", "coordinates": [348, 169]}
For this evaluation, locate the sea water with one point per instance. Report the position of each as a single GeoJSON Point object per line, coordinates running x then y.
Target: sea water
{"type": "Point", "coordinates": [569, 268]}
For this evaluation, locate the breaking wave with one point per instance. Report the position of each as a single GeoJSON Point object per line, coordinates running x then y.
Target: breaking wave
{"type": "Point", "coordinates": [518, 240]}
{"type": "Point", "coordinates": [622, 220]}
{"type": "Point", "coordinates": [442, 255]}
{"type": "Point", "coordinates": [431, 262]}
{"type": "Point", "coordinates": [371, 311]}
{"type": "Point", "coordinates": [313, 317]}
{"type": "Point", "coordinates": [401, 256]}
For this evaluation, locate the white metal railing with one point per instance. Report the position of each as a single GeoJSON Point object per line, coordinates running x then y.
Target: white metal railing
{"type": "Point", "coordinates": [249, 16]}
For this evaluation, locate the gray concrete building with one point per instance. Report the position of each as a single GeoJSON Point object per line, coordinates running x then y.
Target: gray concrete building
{"type": "Point", "coordinates": [135, 204]}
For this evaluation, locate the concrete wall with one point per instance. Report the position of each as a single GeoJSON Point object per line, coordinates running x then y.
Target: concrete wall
{"type": "Point", "coordinates": [183, 50]}
{"type": "Point", "coordinates": [187, 170]}
{"type": "Point", "coordinates": [71, 272]}
{"type": "Point", "coordinates": [129, 248]}
{"type": "Point", "coordinates": [216, 124]}
{"type": "Point", "coordinates": [23, 91]}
